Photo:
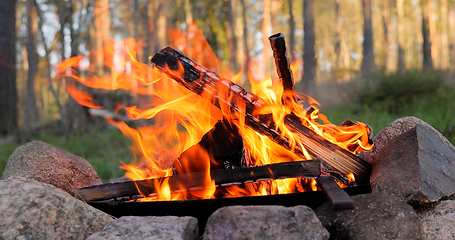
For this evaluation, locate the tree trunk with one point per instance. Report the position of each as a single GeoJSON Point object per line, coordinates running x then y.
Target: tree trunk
{"type": "Point", "coordinates": [102, 25]}
{"type": "Point", "coordinates": [265, 32]}
{"type": "Point", "coordinates": [452, 33]}
{"type": "Point", "coordinates": [291, 37]}
{"type": "Point", "coordinates": [337, 44]}
{"type": "Point", "coordinates": [150, 28]}
{"type": "Point", "coordinates": [389, 37]}
{"type": "Point", "coordinates": [161, 23]}
{"type": "Point", "coordinates": [188, 15]}
{"type": "Point", "coordinates": [232, 39]}
{"type": "Point", "coordinates": [31, 110]}
{"type": "Point", "coordinates": [309, 56]}
{"type": "Point", "coordinates": [245, 35]}
{"type": "Point", "coordinates": [427, 60]}
{"type": "Point", "coordinates": [8, 91]}
{"type": "Point", "coordinates": [432, 25]}
{"type": "Point", "coordinates": [444, 62]}
{"type": "Point", "coordinates": [401, 36]}
{"type": "Point", "coordinates": [368, 66]}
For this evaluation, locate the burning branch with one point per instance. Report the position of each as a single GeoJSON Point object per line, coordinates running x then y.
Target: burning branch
{"type": "Point", "coordinates": [195, 181]}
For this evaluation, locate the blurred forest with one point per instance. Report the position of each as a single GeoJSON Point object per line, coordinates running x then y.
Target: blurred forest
{"type": "Point", "coordinates": [338, 40]}
{"type": "Point", "coordinates": [339, 43]}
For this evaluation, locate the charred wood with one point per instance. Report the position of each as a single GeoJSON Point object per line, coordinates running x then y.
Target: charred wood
{"type": "Point", "coordinates": [282, 62]}
{"type": "Point", "coordinates": [196, 180]}
{"type": "Point", "coordinates": [223, 144]}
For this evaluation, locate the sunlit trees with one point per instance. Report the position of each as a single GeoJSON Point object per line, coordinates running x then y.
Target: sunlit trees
{"type": "Point", "coordinates": [338, 40]}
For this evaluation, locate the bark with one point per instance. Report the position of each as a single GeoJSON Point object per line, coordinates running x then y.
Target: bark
{"type": "Point", "coordinates": [31, 110]}
{"type": "Point", "coordinates": [102, 25]}
{"type": "Point", "coordinates": [309, 56]}
{"type": "Point", "coordinates": [75, 35]}
{"type": "Point", "coordinates": [389, 36]}
{"type": "Point", "coordinates": [282, 62]}
{"type": "Point", "coordinates": [8, 91]}
{"type": "Point", "coordinates": [150, 28]}
{"type": "Point", "coordinates": [427, 60]}
{"type": "Point", "coordinates": [401, 36]}
{"type": "Point", "coordinates": [161, 23]}
{"type": "Point", "coordinates": [245, 35]}
{"type": "Point", "coordinates": [368, 66]}
{"type": "Point", "coordinates": [452, 33]}
{"type": "Point", "coordinates": [432, 25]}
{"type": "Point", "coordinates": [232, 38]}
{"type": "Point", "coordinates": [265, 32]}
{"type": "Point", "coordinates": [188, 15]}
{"type": "Point", "coordinates": [291, 29]}
{"type": "Point", "coordinates": [337, 35]}
{"type": "Point", "coordinates": [444, 60]}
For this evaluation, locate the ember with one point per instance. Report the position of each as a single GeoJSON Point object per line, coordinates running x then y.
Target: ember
{"type": "Point", "coordinates": [272, 122]}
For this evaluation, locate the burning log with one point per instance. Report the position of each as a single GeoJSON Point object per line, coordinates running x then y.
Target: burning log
{"type": "Point", "coordinates": [195, 181]}
{"type": "Point", "coordinates": [208, 84]}
{"type": "Point", "coordinates": [282, 61]}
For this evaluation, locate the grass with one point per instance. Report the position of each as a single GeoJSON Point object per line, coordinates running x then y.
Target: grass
{"type": "Point", "coordinates": [423, 95]}
{"type": "Point", "coordinates": [382, 100]}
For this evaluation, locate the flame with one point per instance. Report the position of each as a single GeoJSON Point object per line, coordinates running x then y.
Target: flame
{"type": "Point", "coordinates": [180, 118]}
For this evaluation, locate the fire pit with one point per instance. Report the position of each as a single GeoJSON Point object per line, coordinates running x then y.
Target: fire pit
{"type": "Point", "coordinates": [264, 142]}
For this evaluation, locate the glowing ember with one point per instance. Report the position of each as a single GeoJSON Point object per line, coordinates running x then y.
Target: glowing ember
{"type": "Point", "coordinates": [181, 117]}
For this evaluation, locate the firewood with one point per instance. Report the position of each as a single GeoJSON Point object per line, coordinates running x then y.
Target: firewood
{"type": "Point", "coordinates": [203, 82]}
{"type": "Point", "coordinates": [282, 63]}
{"type": "Point", "coordinates": [195, 180]}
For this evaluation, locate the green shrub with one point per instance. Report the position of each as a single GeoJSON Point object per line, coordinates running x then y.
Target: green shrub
{"type": "Point", "coordinates": [386, 98]}
{"type": "Point", "coordinates": [395, 93]}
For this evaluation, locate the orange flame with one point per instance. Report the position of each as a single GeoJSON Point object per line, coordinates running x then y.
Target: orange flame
{"type": "Point", "coordinates": [180, 118]}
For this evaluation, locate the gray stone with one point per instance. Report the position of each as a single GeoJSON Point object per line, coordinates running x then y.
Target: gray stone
{"type": "Point", "coordinates": [418, 167]}
{"type": "Point", "coordinates": [375, 216]}
{"type": "Point", "coordinates": [439, 222]}
{"type": "Point", "coordinates": [264, 222]}
{"type": "Point", "coordinates": [49, 164]}
{"type": "Point", "coordinates": [393, 130]}
{"type": "Point", "coordinates": [33, 210]}
{"type": "Point", "coordinates": [153, 228]}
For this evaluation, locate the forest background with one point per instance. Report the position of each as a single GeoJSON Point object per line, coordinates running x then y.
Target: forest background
{"type": "Point", "coordinates": [366, 60]}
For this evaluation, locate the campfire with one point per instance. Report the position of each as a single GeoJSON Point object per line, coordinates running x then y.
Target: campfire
{"type": "Point", "coordinates": [213, 139]}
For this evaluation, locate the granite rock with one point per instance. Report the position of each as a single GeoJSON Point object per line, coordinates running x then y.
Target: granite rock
{"type": "Point", "coordinates": [49, 164]}
{"type": "Point", "coordinates": [418, 167]}
{"type": "Point", "coordinates": [149, 228]}
{"type": "Point", "coordinates": [439, 221]}
{"type": "Point", "coordinates": [264, 222]}
{"type": "Point", "coordinates": [374, 217]}
{"type": "Point", "coordinates": [33, 210]}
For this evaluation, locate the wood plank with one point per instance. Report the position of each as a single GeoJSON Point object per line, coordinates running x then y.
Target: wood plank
{"type": "Point", "coordinates": [222, 177]}
{"type": "Point", "coordinates": [221, 91]}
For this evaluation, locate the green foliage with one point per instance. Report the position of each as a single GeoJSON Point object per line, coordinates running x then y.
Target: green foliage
{"type": "Point", "coordinates": [395, 93]}
{"type": "Point", "coordinates": [423, 95]}
{"type": "Point", "coordinates": [102, 146]}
